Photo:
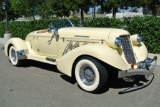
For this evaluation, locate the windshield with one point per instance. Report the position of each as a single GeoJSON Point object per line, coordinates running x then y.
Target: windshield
{"type": "Point", "coordinates": [61, 23]}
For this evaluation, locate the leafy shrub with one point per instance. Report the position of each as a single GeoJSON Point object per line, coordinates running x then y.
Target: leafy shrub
{"type": "Point", "coordinates": [103, 22]}
{"type": "Point", "coordinates": [2, 28]}
{"type": "Point", "coordinates": [22, 28]}
{"type": "Point", "coordinates": [148, 27]}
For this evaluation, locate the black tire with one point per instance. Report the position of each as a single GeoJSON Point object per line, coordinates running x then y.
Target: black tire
{"type": "Point", "coordinates": [90, 74]}
{"type": "Point", "coordinates": [13, 56]}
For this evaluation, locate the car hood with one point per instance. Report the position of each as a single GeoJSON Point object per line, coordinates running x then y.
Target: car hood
{"type": "Point", "coordinates": [92, 33]}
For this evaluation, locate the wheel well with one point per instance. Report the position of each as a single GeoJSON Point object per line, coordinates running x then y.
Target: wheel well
{"type": "Point", "coordinates": [8, 48]}
{"type": "Point", "coordinates": [107, 66]}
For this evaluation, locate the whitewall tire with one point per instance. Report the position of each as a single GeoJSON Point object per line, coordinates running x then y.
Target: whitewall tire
{"type": "Point", "coordinates": [13, 56]}
{"type": "Point", "coordinates": [90, 74]}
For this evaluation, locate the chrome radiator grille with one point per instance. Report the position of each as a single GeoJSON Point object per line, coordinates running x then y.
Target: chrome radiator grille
{"type": "Point", "coordinates": [127, 49]}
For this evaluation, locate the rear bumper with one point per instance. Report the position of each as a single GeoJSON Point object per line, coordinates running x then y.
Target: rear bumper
{"type": "Point", "coordinates": [146, 71]}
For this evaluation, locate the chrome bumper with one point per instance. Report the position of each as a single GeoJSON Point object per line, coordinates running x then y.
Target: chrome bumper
{"type": "Point", "coordinates": [146, 71]}
{"type": "Point", "coordinates": [21, 54]}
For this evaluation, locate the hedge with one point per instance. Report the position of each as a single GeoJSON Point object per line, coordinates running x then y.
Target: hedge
{"type": "Point", "coordinates": [148, 27]}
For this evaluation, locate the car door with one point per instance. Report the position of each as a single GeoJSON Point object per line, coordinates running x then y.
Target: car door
{"type": "Point", "coordinates": [34, 43]}
{"type": "Point", "coordinates": [47, 44]}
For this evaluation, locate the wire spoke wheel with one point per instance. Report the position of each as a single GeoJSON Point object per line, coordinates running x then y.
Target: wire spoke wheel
{"type": "Point", "coordinates": [90, 74]}
{"type": "Point", "coordinates": [13, 56]}
{"type": "Point", "coordinates": [87, 75]}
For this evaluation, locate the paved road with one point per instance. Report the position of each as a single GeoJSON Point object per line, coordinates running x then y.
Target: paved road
{"type": "Point", "coordinates": [41, 85]}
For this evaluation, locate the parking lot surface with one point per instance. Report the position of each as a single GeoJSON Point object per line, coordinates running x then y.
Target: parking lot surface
{"type": "Point", "coordinates": [38, 84]}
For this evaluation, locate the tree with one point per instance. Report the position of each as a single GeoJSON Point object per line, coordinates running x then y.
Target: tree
{"type": "Point", "coordinates": [26, 7]}
{"type": "Point", "coordinates": [96, 3]}
{"type": "Point", "coordinates": [59, 8]}
{"type": "Point", "coordinates": [1, 12]}
{"type": "Point", "coordinates": [11, 13]}
{"type": "Point", "coordinates": [71, 5]}
{"type": "Point", "coordinates": [98, 11]}
{"type": "Point", "coordinates": [113, 5]}
{"type": "Point", "coordinates": [46, 9]}
{"type": "Point", "coordinates": [78, 5]}
{"type": "Point", "coordinates": [153, 5]}
{"type": "Point", "coordinates": [81, 5]}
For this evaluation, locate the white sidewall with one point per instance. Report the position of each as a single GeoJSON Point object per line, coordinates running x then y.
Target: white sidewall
{"type": "Point", "coordinates": [10, 57]}
{"type": "Point", "coordinates": [77, 75]}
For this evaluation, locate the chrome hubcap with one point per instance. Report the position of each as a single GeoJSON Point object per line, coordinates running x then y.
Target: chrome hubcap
{"type": "Point", "coordinates": [87, 75]}
{"type": "Point", "coordinates": [13, 55]}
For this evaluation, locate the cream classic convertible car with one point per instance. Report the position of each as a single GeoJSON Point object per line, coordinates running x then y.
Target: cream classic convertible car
{"type": "Point", "coordinates": [84, 53]}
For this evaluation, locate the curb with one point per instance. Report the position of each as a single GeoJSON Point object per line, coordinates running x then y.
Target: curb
{"type": "Point", "coordinates": [151, 55]}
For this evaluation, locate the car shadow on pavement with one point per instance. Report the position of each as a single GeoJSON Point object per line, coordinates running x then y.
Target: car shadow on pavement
{"type": "Point", "coordinates": [68, 79]}
{"type": "Point", "coordinates": [45, 66]}
{"type": "Point", "coordinates": [139, 83]}
{"type": "Point", "coordinates": [48, 67]}
{"type": "Point", "coordinates": [114, 82]}
{"type": "Point", "coordinates": [127, 87]}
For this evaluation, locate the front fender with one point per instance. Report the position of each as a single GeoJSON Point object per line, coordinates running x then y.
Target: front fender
{"type": "Point", "coordinates": [18, 43]}
{"type": "Point", "coordinates": [141, 51]}
{"type": "Point", "coordinates": [101, 52]}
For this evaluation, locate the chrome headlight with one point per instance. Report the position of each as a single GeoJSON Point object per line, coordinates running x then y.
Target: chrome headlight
{"type": "Point", "coordinates": [148, 61]}
{"type": "Point", "coordinates": [139, 38]}
{"type": "Point", "coordinates": [141, 65]}
{"type": "Point", "coordinates": [118, 42]}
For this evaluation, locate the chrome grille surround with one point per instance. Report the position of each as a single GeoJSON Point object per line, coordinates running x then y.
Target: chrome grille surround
{"type": "Point", "coordinates": [127, 49]}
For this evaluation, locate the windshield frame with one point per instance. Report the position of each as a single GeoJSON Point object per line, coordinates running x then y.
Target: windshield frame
{"type": "Point", "coordinates": [64, 23]}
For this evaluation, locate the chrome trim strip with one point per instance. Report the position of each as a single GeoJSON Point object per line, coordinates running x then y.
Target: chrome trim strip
{"type": "Point", "coordinates": [79, 36]}
{"type": "Point", "coordinates": [66, 48]}
{"type": "Point", "coordinates": [75, 45]}
{"type": "Point", "coordinates": [51, 59]}
{"type": "Point", "coordinates": [81, 39]}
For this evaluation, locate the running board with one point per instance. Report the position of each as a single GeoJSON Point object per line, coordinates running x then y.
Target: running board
{"type": "Point", "coordinates": [42, 59]}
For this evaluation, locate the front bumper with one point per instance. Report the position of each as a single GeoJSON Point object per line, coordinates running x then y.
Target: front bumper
{"type": "Point", "coordinates": [146, 71]}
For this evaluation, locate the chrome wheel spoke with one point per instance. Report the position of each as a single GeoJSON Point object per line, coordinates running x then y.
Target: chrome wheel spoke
{"type": "Point", "coordinates": [87, 75]}
{"type": "Point", "coordinates": [13, 55]}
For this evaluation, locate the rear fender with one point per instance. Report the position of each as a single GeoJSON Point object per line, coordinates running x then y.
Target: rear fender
{"type": "Point", "coordinates": [18, 43]}
{"type": "Point", "coordinates": [101, 52]}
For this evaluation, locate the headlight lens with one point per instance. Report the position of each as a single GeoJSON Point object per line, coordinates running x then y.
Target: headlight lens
{"type": "Point", "coordinates": [148, 61]}
{"type": "Point", "coordinates": [141, 65]}
{"type": "Point", "coordinates": [139, 38]}
{"type": "Point", "coordinates": [118, 42]}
